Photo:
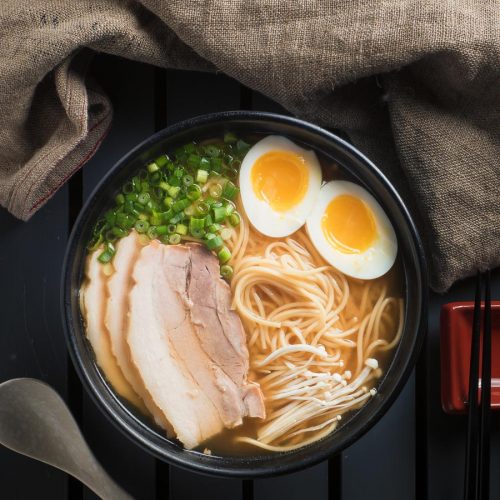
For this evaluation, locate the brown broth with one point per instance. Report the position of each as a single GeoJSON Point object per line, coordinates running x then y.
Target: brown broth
{"type": "Point", "coordinates": [224, 444]}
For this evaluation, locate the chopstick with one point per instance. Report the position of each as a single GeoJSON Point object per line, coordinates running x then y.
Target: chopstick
{"type": "Point", "coordinates": [477, 455]}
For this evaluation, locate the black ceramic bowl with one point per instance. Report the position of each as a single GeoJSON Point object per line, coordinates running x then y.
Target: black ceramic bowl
{"type": "Point", "coordinates": [413, 264]}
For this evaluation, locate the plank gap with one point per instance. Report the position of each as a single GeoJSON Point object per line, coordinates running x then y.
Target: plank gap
{"type": "Point", "coordinates": [335, 477]}
{"type": "Point", "coordinates": [247, 489]}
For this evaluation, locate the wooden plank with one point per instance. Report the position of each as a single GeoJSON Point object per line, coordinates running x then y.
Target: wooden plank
{"type": "Point", "coordinates": [191, 94]}
{"type": "Point", "coordinates": [381, 463]}
{"type": "Point", "coordinates": [446, 433]}
{"type": "Point", "coordinates": [130, 86]}
{"type": "Point", "coordinates": [310, 484]}
{"type": "Point", "coordinates": [32, 341]}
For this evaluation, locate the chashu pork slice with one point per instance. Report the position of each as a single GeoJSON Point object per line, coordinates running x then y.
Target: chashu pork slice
{"type": "Point", "coordinates": [93, 300]}
{"type": "Point", "coordinates": [164, 374]}
{"type": "Point", "coordinates": [116, 320]}
{"type": "Point", "coordinates": [196, 393]}
{"type": "Point", "coordinates": [226, 345]}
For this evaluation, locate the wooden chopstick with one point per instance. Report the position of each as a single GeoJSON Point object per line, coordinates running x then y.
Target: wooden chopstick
{"type": "Point", "coordinates": [477, 454]}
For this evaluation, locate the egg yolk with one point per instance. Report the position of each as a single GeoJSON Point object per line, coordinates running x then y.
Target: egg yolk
{"type": "Point", "coordinates": [281, 179]}
{"type": "Point", "coordinates": [348, 224]}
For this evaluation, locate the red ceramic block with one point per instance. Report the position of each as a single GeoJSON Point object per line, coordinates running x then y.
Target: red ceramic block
{"type": "Point", "coordinates": [456, 332]}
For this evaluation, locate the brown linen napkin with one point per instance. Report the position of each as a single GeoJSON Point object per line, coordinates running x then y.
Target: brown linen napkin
{"type": "Point", "coordinates": [416, 85]}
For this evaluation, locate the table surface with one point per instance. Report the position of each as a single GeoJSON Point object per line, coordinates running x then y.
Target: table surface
{"type": "Point", "coordinates": [415, 451]}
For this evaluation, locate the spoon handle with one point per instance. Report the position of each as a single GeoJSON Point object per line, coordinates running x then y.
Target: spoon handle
{"type": "Point", "coordinates": [96, 478]}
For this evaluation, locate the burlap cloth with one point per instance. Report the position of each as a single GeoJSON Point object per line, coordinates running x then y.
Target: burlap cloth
{"type": "Point", "coordinates": [415, 84]}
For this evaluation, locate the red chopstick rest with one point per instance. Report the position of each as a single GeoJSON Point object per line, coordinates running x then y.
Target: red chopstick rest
{"type": "Point", "coordinates": [456, 332]}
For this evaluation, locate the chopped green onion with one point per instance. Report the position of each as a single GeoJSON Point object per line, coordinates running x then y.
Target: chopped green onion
{"type": "Point", "coordinates": [152, 234]}
{"type": "Point", "coordinates": [120, 199]}
{"type": "Point", "coordinates": [109, 236]}
{"type": "Point", "coordinates": [226, 271]}
{"type": "Point", "coordinates": [179, 172]}
{"type": "Point", "coordinates": [189, 148]}
{"type": "Point", "coordinates": [229, 208]}
{"type": "Point", "coordinates": [209, 236]}
{"type": "Point", "coordinates": [226, 233]}
{"type": "Point", "coordinates": [202, 208]}
{"type": "Point", "coordinates": [128, 188]}
{"type": "Point", "coordinates": [190, 210]}
{"type": "Point", "coordinates": [107, 254]}
{"type": "Point", "coordinates": [143, 174]}
{"type": "Point", "coordinates": [119, 232]}
{"type": "Point", "coordinates": [141, 226]}
{"type": "Point", "coordinates": [214, 228]}
{"type": "Point", "coordinates": [143, 217]}
{"type": "Point", "coordinates": [153, 167]}
{"type": "Point", "coordinates": [219, 213]}
{"type": "Point", "coordinates": [230, 190]}
{"type": "Point", "coordinates": [173, 191]}
{"type": "Point", "coordinates": [143, 198]}
{"type": "Point", "coordinates": [215, 190]}
{"type": "Point", "coordinates": [204, 163]}
{"type": "Point", "coordinates": [110, 217]}
{"type": "Point", "coordinates": [136, 183]}
{"type": "Point", "coordinates": [229, 138]}
{"type": "Point", "coordinates": [168, 201]}
{"type": "Point", "coordinates": [166, 216]}
{"type": "Point", "coordinates": [242, 146]}
{"type": "Point", "coordinates": [161, 230]}
{"type": "Point", "coordinates": [171, 228]}
{"type": "Point", "coordinates": [174, 239]}
{"type": "Point", "coordinates": [208, 220]}
{"type": "Point", "coordinates": [197, 233]}
{"type": "Point", "coordinates": [216, 164]}
{"type": "Point", "coordinates": [194, 192]}
{"type": "Point", "coordinates": [201, 176]}
{"type": "Point", "coordinates": [105, 257]}
{"type": "Point", "coordinates": [162, 160]}
{"type": "Point", "coordinates": [177, 218]}
{"type": "Point", "coordinates": [214, 243]}
{"type": "Point", "coordinates": [224, 255]}
{"type": "Point", "coordinates": [180, 205]}
{"type": "Point", "coordinates": [95, 242]}
{"type": "Point", "coordinates": [187, 180]}
{"type": "Point", "coordinates": [193, 160]}
{"type": "Point", "coordinates": [155, 220]}
{"type": "Point", "coordinates": [124, 221]}
{"type": "Point", "coordinates": [181, 229]}
{"type": "Point", "coordinates": [234, 219]}
{"type": "Point", "coordinates": [132, 197]}
{"type": "Point", "coordinates": [212, 150]}
{"type": "Point", "coordinates": [164, 185]}
{"type": "Point", "coordinates": [196, 223]}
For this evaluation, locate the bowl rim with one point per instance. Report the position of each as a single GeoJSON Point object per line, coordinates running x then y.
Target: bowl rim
{"type": "Point", "coordinates": [252, 471]}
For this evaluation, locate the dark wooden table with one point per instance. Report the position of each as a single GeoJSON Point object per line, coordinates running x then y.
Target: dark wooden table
{"type": "Point", "coordinates": [415, 451]}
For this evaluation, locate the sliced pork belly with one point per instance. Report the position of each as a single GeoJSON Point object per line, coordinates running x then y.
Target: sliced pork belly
{"type": "Point", "coordinates": [211, 312]}
{"type": "Point", "coordinates": [189, 410]}
{"type": "Point", "coordinates": [116, 320]}
{"type": "Point", "coordinates": [94, 302]}
{"type": "Point", "coordinates": [178, 356]}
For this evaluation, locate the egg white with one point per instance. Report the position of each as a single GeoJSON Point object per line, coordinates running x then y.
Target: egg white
{"type": "Point", "coordinates": [262, 216]}
{"type": "Point", "coordinates": [373, 262]}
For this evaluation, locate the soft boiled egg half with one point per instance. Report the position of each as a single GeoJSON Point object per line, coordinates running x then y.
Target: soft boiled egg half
{"type": "Point", "coordinates": [279, 184]}
{"type": "Point", "coordinates": [351, 231]}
